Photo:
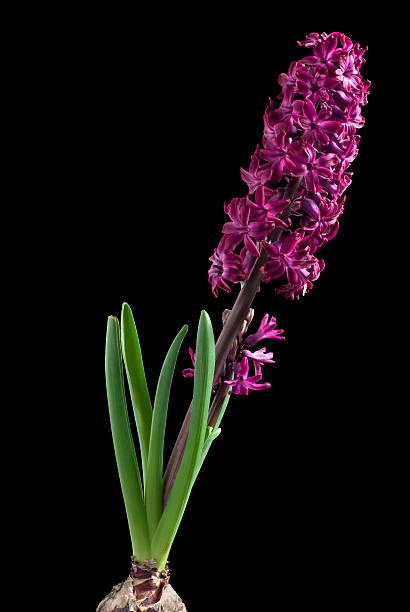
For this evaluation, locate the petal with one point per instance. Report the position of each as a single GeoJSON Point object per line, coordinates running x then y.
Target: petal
{"type": "Point", "coordinates": [277, 170]}
{"type": "Point", "coordinates": [243, 368]}
{"type": "Point", "coordinates": [231, 228]}
{"type": "Point", "coordinates": [330, 126]}
{"type": "Point", "coordinates": [329, 46]}
{"type": "Point", "coordinates": [289, 243]}
{"type": "Point", "coordinates": [322, 137]}
{"type": "Point", "coordinates": [323, 114]}
{"type": "Point", "coordinates": [250, 245]}
{"type": "Point", "coordinates": [276, 206]}
{"type": "Point", "coordinates": [310, 60]}
{"type": "Point", "coordinates": [309, 110]}
{"type": "Point", "coordinates": [323, 172]}
{"type": "Point", "coordinates": [271, 250]}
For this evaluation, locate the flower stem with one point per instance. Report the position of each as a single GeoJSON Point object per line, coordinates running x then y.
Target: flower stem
{"type": "Point", "coordinates": [226, 338]}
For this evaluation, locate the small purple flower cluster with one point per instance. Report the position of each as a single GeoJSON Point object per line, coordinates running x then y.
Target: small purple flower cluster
{"type": "Point", "coordinates": [237, 363]}
{"type": "Point", "coordinates": [312, 135]}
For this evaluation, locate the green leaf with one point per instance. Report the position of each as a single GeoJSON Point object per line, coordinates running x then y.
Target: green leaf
{"type": "Point", "coordinates": [126, 458]}
{"type": "Point", "coordinates": [154, 483]}
{"type": "Point", "coordinates": [212, 433]}
{"type": "Point", "coordinates": [207, 445]}
{"type": "Point", "coordinates": [137, 383]}
{"type": "Point", "coordinates": [203, 379]}
{"type": "Point", "coordinates": [208, 432]}
{"type": "Point", "coordinates": [223, 408]}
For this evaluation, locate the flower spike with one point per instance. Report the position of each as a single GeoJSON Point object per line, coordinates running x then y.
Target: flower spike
{"type": "Point", "coordinates": [310, 134]}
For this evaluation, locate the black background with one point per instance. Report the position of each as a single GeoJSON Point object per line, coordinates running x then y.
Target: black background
{"type": "Point", "coordinates": [143, 139]}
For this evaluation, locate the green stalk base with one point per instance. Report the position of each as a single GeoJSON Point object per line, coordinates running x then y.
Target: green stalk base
{"type": "Point", "coordinates": [145, 590]}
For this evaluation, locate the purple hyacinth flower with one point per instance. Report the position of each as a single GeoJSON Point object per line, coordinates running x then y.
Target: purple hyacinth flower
{"type": "Point", "coordinates": [278, 120]}
{"type": "Point", "coordinates": [325, 55]}
{"type": "Point", "coordinates": [242, 382]}
{"type": "Point", "coordinates": [225, 266]}
{"type": "Point", "coordinates": [350, 120]}
{"type": "Point", "coordinates": [314, 86]}
{"type": "Point", "coordinates": [258, 358]}
{"type": "Point", "coordinates": [323, 219]}
{"type": "Point", "coordinates": [267, 206]}
{"type": "Point", "coordinates": [348, 74]}
{"type": "Point", "coordinates": [276, 153]}
{"type": "Point", "coordinates": [285, 256]}
{"type": "Point", "coordinates": [312, 40]}
{"type": "Point", "coordinates": [315, 124]}
{"type": "Point", "coordinates": [267, 329]}
{"type": "Point", "coordinates": [310, 166]}
{"type": "Point", "coordinates": [253, 177]}
{"type": "Point", "coordinates": [303, 280]}
{"type": "Point", "coordinates": [336, 188]}
{"type": "Point", "coordinates": [240, 228]}
{"type": "Point", "coordinates": [288, 82]}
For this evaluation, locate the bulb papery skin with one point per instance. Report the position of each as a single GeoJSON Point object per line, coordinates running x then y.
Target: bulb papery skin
{"type": "Point", "coordinates": [310, 132]}
{"type": "Point", "coordinates": [146, 590]}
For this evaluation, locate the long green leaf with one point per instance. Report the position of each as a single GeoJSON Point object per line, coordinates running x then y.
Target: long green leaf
{"type": "Point", "coordinates": [223, 408]}
{"type": "Point", "coordinates": [137, 383]}
{"type": "Point", "coordinates": [153, 482]}
{"type": "Point", "coordinates": [210, 435]}
{"type": "Point", "coordinates": [124, 446]}
{"type": "Point", "coordinates": [214, 433]}
{"type": "Point", "coordinates": [203, 378]}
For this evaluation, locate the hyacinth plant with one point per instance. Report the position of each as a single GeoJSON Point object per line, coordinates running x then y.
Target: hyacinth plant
{"type": "Point", "coordinates": [296, 184]}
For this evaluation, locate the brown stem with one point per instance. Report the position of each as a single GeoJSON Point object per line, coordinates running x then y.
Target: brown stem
{"type": "Point", "coordinates": [226, 338]}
